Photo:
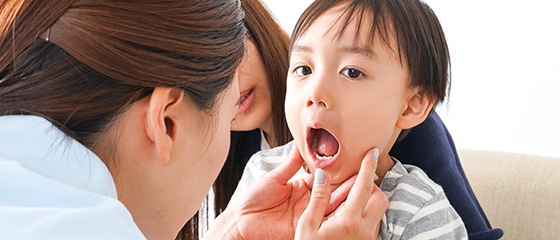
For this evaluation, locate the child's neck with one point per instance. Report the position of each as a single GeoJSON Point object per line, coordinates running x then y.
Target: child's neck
{"type": "Point", "coordinates": [384, 164]}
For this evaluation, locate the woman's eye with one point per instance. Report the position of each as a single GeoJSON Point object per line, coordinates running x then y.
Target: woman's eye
{"type": "Point", "coordinates": [352, 73]}
{"type": "Point", "coordinates": [303, 71]}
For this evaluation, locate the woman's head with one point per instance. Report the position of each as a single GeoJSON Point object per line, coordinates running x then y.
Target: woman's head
{"type": "Point", "coordinates": [98, 68]}
{"type": "Point", "coordinates": [112, 53]}
{"type": "Point", "coordinates": [262, 75]}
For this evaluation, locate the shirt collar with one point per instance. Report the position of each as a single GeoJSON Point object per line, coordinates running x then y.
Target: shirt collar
{"type": "Point", "coordinates": [40, 146]}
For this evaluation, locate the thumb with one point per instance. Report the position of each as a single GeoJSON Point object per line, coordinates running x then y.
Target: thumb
{"type": "Point", "coordinates": [315, 212]}
{"type": "Point", "coordinates": [288, 168]}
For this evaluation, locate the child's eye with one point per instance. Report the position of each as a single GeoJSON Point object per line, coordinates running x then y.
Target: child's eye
{"type": "Point", "coordinates": [352, 73]}
{"type": "Point", "coordinates": [303, 71]}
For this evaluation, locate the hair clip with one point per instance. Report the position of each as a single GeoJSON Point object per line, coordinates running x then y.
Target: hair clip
{"type": "Point", "coordinates": [48, 35]}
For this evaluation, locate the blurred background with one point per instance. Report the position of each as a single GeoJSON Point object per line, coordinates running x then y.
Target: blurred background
{"type": "Point", "coordinates": [505, 62]}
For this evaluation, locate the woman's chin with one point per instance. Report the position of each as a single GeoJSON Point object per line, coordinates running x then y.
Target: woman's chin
{"type": "Point", "coordinates": [240, 124]}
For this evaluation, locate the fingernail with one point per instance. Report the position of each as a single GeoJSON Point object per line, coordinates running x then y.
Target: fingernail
{"type": "Point", "coordinates": [319, 176]}
{"type": "Point", "coordinates": [375, 154]}
{"type": "Point", "coordinates": [375, 177]}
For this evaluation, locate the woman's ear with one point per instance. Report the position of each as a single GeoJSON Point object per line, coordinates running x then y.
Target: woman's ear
{"type": "Point", "coordinates": [162, 118]}
{"type": "Point", "coordinates": [416, 110]}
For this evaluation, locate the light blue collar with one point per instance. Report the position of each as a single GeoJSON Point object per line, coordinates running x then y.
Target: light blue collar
{"type": "Point", "coordinates": [38, 145]}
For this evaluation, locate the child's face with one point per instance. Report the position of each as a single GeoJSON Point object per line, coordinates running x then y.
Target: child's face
{"type": "Point", "coordinates": [343, 96]}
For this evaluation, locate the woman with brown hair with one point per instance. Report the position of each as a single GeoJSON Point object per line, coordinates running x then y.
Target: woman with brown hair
{"type": "Point", "coordinates": [260, 122]}
{"type": "Point", "coordinates": [115, 118]}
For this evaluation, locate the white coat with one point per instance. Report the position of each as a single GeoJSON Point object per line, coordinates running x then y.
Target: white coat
{"type": "Point", "coordinates": [53, 187]}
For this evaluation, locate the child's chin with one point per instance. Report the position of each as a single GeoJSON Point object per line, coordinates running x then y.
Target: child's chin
{"type": "Point", "coordinates": [338, 179]}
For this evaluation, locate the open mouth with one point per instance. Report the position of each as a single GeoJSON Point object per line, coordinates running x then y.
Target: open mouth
{"type": "Point", "coordinates": [323, 144]}
{"type": "Point", "coordinates": [245, 101]}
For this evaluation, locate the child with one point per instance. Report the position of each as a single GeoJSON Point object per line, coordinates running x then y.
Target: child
{"type": "Point", "coordinates": [361, 73]}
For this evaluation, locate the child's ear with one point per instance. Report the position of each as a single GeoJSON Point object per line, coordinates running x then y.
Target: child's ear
{"type": "Point", "coordinates": [162, 119]}
{"type": "Point", "coordinates": [415, 110]}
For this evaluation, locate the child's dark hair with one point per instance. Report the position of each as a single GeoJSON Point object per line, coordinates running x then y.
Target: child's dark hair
{"type": "Point", "coordinates": [420, 40]}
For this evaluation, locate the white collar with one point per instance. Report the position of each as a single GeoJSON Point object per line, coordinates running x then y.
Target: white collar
{"type": "Point", "coordinates": [38, 145]}
{"type": "Point", "coordinates": [264, 143]}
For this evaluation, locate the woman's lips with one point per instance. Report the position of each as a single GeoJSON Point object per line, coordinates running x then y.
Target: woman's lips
{"type": "Point", "coordinates": [245, 101]}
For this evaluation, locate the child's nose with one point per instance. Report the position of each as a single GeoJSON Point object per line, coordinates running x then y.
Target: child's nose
{"type": "Point", "coordinates": [311, 102]}
{"type": "Point", "coordinates": [320, 94]}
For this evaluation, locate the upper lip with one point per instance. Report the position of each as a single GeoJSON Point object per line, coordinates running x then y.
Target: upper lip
{"type": "Point", "coordinates": [243, 95]}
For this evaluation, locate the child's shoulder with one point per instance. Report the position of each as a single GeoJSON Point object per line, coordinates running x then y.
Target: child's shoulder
{"type": "Point", "coordinates": [269, 159]}
{"type": "Point", "coordinates": [409, 183]}
{"type": "Point", "coordinates": [280, 151]}
{"type": "Point", "coordinates": [417, 207]}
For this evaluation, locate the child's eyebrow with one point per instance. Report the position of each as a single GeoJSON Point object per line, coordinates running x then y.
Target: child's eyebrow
{"type": "Point", "coordinates": [366, 52]}
{"type": "Point", "coordinates": [300, 48]}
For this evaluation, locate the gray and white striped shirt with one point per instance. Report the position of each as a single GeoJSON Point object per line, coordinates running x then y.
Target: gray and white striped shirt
{"type": "Point", "coordinates": [418, 207]}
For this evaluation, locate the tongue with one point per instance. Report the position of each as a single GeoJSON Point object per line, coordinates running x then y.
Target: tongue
{"type": "Point", "coordinates": [326, 143]}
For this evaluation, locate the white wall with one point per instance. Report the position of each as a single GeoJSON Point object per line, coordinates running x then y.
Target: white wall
{"type": "Point", "coordinates": [505, 58]}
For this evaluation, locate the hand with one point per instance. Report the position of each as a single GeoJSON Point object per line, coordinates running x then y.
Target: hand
{"type": "Point", "coordinates": [358, 218]}
{"type": "Point", "coordinates": [273, 206]}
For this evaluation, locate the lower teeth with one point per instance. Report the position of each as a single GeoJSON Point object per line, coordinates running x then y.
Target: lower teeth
{"type": "Point", "coordinates": [317, 155]}
{"type": "Point", "coordinates": [323, 158]}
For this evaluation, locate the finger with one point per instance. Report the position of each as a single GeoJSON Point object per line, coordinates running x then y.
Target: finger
{"type": "Point", "coordinates": [313, 215]}
{"type": "Point", "coordinates": [362, 190]}
{"type": "Point", "coordinates": [340, 194]}
{"type": "Point", "coordinates": [376, 207]}
{"type": "Point", "coordinates": [308, 179]}
{"type": "Point", "coordinates": [287, 169]}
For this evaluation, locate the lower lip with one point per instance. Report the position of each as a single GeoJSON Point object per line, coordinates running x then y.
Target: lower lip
{"type": "Point", "coordinates": [323, 164]}
{"type": "Point", "coordinates": [243, 106]}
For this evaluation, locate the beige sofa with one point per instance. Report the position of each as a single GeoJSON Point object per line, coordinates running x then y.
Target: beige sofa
{"type": "Point", "coordinates": [519, 193]}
